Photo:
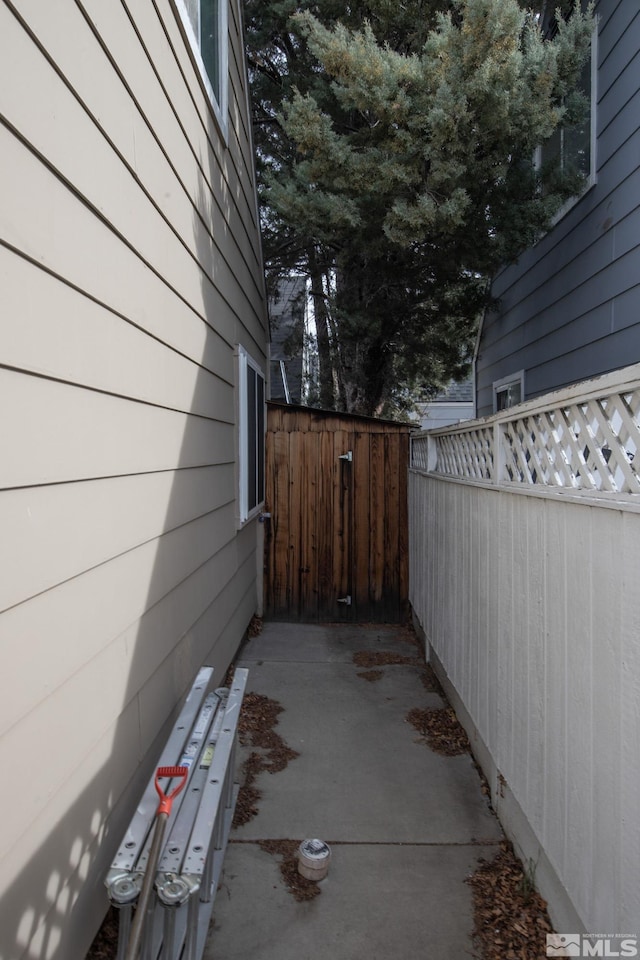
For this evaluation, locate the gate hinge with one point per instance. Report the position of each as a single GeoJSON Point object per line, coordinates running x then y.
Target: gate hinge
{"type": "Point", "coordinates": [346, 456]}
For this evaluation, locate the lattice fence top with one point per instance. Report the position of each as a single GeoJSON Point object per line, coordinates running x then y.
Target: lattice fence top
{"type": "Point", "coordinates": [589, 443]}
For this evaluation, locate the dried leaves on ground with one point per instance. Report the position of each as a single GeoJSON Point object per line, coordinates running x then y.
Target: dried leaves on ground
{"type": "Point", "coordinates": [380, 658]}
{"type": "Point", "coordinates": [510, 917]}
{"type": "Point", "coordinates": [384, 658]}
{"type": "Point", "coordinates": [371, 675]}
{"type": "Point", "coordinates": [299, 887]}
{"type": "Point", "coordinates": [441, 729]}
{"type": "Point", "coordinates": [430, 681]}
{"type": "Point", "coordinates": [105, 945]}
{"type": "Point", "coordinates": [258, 717]}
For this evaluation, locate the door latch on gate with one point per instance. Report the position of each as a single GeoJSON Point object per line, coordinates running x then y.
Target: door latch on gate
{"type": "Point", "coordinates": [346, 456]}
{"type": "Point", "coordinates": [346, 600]}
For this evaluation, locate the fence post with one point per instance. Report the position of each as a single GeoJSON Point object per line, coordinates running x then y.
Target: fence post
{"type": "Point", "coordinates": [498, 454]}
{"type": "Point", "coordinates": [432, 454]}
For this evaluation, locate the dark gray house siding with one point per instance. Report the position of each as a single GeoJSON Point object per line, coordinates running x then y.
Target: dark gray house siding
{"type": "Point", "coordinates": [569, 309]}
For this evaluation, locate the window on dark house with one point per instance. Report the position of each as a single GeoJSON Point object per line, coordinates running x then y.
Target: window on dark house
{"type": "Point", "coordinates": [508, 391]}
{"type": "Point", "coordinates": [570, 151]}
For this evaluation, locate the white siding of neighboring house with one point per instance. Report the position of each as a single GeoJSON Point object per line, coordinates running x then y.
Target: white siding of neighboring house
{"type": "Point", "coordinates": [443, 414]}
{"type": "Point", "coordinates": [450, 406]}
{"type": "Point", "coordinates": [129, 273]}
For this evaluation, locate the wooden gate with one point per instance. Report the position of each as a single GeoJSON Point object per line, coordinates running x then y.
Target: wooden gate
{"type": "Point", "coordinates": [337, 541]}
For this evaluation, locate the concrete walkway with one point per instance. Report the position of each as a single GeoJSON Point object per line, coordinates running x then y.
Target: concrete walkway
{"type": "Point", "coordinates": [405, 825]}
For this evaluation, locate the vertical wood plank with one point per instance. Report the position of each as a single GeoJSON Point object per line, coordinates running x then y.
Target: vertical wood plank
{"type": "Point", "coordinates": [504, 692]}
{"type": "Point", "coordinates": [376, 519]}
{"type": "Point", "coordinates": [402, 562]}
{"type": "Point", "coordinates": [325, 520]}
{"type": "Point", "coordinates": [279, 564]}
{"type": "Point", "coordinates": [309, 519]}
{"type": "Point", "coordinates": [390, 519]}
{"type": "Point", "coordinates": [536, 712]}
{"type": "Point", "coordinates": [629, 565]}
{"type": "Point", "coordinates": [516, 771]}
{"type": "Point", "coordinates": [295, 522]}
{"type": "Point", "coordinates": [361, 575]}
{"type": "Point", "coordinates": [579, 690]}
{"type": "Point", "coordinates": [455, 545]}
{"type": "Point", "coordinates": [491, 503]}
{"type": "Point", "coordinates": [467, 617]}
{"type": "Point", "coordinates": [342, 531]}
{"type": "Point", "coordinates": [554, 805]}
{"type": "Point", "coordinates": [474, 625]}
{"type": "Point", "coordinates": [606, 604]}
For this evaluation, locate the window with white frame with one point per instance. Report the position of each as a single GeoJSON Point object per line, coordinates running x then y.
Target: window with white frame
{"type": "Point", "coordinates": [508, 391]}
{"type": "Point", "coordinates": [571, 150]}
{"type": "Point", "coordinates": [205, 24]}
{"type": "Point", "coordinates": [251, 395]}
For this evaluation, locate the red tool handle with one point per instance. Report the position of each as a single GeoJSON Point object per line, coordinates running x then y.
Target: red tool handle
{"type": "Point", "coordinates": [166, 799]}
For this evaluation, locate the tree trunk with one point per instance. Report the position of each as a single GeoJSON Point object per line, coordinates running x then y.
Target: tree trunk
{"type": "Point", "coordinates": [325, 365]}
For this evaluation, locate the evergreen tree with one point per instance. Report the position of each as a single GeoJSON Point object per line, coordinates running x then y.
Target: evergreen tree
{"type": "Point", "coordinates": [396, 145]}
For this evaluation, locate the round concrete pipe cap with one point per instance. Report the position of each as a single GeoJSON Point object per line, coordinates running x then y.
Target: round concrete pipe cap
{"type": "Point", "coordinates": [313, 859]}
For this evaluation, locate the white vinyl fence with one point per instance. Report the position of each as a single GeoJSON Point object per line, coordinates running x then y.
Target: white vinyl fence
{"type": "Point", "coordinates": [585, 438]}
{"type": "Point", "coordinates": [525, 577]}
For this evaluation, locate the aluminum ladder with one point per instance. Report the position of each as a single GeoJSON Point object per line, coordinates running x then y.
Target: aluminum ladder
{"type": "Point", "coordinates": [204, 739]}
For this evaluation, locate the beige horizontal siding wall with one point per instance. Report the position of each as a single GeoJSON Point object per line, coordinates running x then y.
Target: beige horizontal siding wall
{"type": "Point", "coordinates": [532, 607]}
{"type": "Point", "coordinates": [129, 272]}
